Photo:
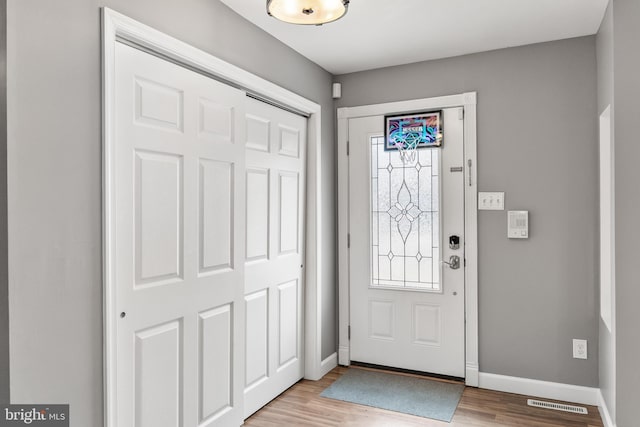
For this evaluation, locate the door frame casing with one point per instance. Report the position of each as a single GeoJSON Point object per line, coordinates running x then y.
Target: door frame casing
{"type": "Point", "coordinates": [468, 101]}
{"type": "Point", "coordinates": [120, 28]}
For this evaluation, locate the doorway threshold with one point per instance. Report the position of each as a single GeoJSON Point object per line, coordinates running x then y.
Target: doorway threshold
{"type": "Point", "coordinates": [408, 372]}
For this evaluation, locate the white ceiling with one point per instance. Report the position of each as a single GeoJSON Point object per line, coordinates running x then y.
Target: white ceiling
{"type": "Point", "coordinates": [380, 33]}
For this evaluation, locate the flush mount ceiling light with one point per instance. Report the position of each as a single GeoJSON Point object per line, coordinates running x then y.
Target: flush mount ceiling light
{"type": "Point", "coordinates": [307, 12]}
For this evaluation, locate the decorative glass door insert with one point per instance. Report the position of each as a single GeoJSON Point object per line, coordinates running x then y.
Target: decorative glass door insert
{"type": "Point", "coordinates": [405, 219]}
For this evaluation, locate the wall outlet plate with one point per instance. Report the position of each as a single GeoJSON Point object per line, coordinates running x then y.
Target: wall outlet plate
{"type": "Point", "coordinates": [579, 349]}
{"type": "Point", "coordinates": [491, 201]}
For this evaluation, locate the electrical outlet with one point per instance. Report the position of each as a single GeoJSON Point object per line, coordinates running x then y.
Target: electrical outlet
{"type": "Point", "coordinates": [579, 349]}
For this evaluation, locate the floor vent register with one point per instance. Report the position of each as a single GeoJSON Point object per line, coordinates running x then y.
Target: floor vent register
{"type": "Point", "coordinates": [557, 406]}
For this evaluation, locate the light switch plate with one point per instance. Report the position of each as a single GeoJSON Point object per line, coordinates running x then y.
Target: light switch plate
{"type": "Point", "coordinates": [491, 201]}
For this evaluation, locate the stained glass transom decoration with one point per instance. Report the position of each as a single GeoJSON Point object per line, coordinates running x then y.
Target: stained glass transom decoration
{"type": "Point", "coordinates": [405, 219]}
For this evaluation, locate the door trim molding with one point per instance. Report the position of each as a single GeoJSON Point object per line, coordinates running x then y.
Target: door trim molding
{"type": "Point", "coordinates": [605, 414]}
{"type": "Point", "coordinates": [120, 28]}
{"type": "Point", "coordinates": [469, 102]}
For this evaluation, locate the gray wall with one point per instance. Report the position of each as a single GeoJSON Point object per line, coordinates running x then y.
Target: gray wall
{"type": "Point", "coordinates": [626, 55]}
{"type": "Point", "coordinates": [537, 142]}
{"type": "Point", "coordinates": [4, 278]}
{"type": "Point", "coordinates": [618, 62]}
{"type": "Point", "coordinates": [55, 178]}
{"type": "Point", "coordinates": [604, 53]}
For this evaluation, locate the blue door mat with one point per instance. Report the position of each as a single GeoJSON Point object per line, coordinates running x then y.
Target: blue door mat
{"type": "Point", "coordinates": [400, 393]}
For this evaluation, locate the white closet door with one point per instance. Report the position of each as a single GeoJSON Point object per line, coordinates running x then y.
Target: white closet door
{"type": "Point", "coordinates": [275, 171]}
{"type": "Point", "coordinates": [180, 245]}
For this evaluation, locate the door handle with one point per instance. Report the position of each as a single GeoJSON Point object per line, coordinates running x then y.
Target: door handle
{"type": "Point", "coordinates": [454, 262]}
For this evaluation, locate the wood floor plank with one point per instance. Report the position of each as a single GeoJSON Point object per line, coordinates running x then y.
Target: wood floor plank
{"type": "Point", "coordinates": [302, 405]}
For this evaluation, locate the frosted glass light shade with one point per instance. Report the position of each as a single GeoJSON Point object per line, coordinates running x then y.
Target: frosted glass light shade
{"type": "Point", "coordinates": [307, 12]}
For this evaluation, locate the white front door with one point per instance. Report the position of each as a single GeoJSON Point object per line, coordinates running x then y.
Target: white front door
{"type": "Point", "coordinates": [179, 189]}
{"type": "Point", "coordinates": [406, 305]}
{"type": "Point", "coordinates": [275, 172]}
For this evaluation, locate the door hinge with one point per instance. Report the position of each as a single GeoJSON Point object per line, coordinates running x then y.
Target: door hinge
{"type": "Point", "coordinates": [347, 148]}
{"type": "Point", "coordinates": [465, 262]}
{"type": "Point", "coordinates": [461, 113]}
{"type": "Point", "coordinates": [348, 240]}
{"type": "Point", "coordinates": [349, 332]}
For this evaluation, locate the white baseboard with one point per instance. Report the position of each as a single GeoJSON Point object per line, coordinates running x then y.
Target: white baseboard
{"type": "Point", "coordinates": [328, 364]}
{"type": "Point", "coordinates": [543, 389]}
{"type": "Point", "coordinates": [604, 411]}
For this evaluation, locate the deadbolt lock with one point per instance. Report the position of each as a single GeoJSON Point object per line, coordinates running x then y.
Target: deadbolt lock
{"type": "Point", "coordinates": [454, 242]}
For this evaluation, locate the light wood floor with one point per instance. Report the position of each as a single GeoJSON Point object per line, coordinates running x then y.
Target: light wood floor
{"type": "Point", "coordinates": [302, 405]}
